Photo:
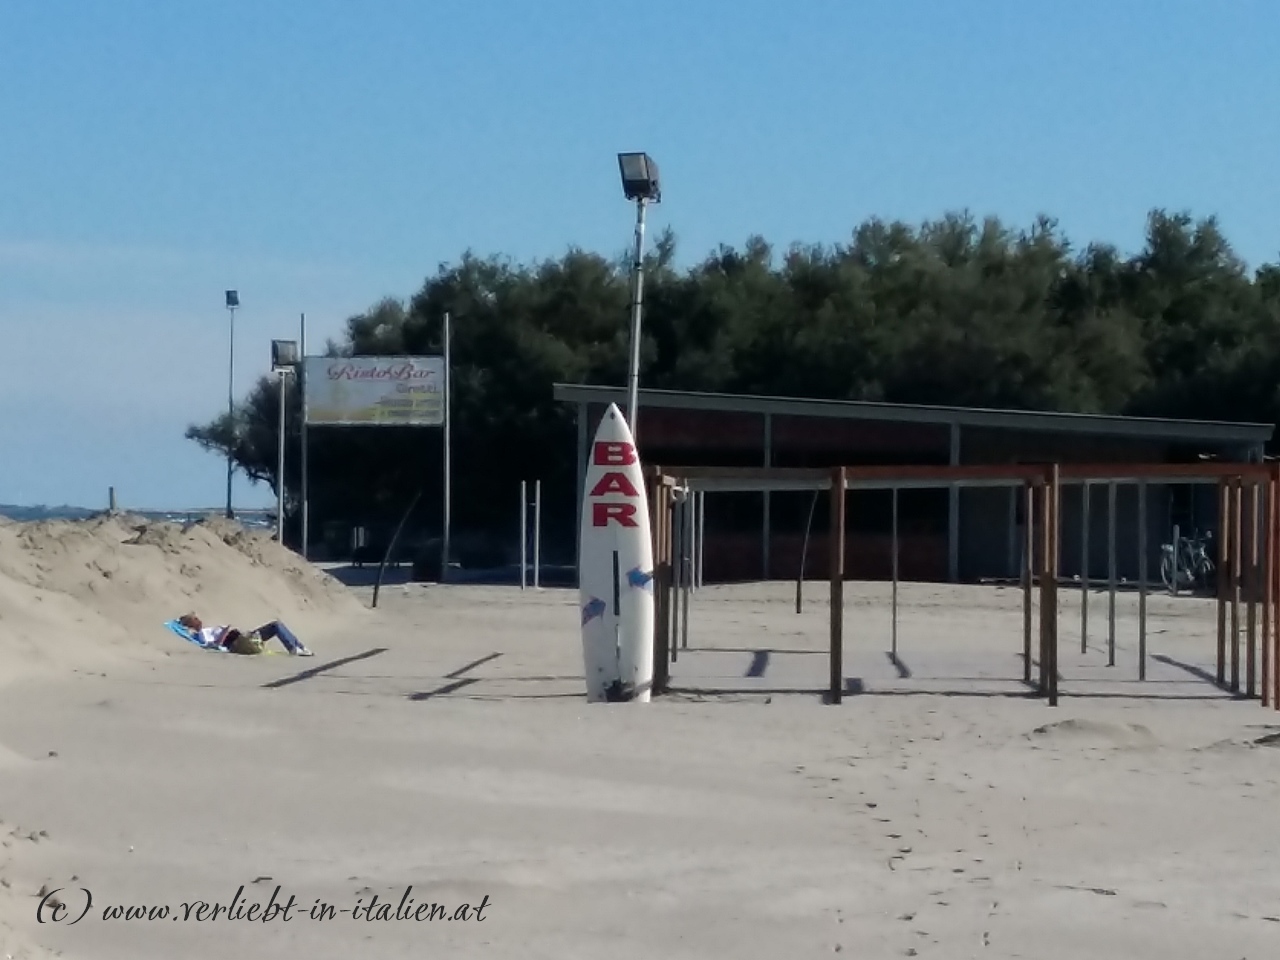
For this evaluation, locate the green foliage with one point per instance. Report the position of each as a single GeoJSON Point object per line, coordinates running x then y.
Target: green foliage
{"type": "Point", "coordinates": [955, 311]}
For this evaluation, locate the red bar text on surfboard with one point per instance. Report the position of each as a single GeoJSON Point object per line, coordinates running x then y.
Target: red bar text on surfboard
{"type": "Point", "coordinates": [624, 514]}
{"type": "Point", "coordinates": [615, 453]}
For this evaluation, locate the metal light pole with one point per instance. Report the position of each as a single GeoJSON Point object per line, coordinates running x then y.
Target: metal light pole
{"type": "Point", "coordinates": [448, 472]}
{"type": "Point", "coordinates": [280, 465]}
{"type": "Point", "coordinates": [233, 301]}
{"type": "Point", "coordinates": [284, 360]}
{"type": "Point", "coordinates": [640, 183]}
{"type": "Point", "coordinates": [302, 384]}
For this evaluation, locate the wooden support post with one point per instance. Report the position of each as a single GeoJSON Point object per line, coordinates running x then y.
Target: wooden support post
{"type": "Point", "coordinates": [1028, 577]}
{"type": "Point", "coordinates": [1223, 578]}
{"type": "Point", "coordinates": [1253, 502]}
{"type": "Point", "coordinates": [1237, 557]}
{"type": "Point", "coordinates": [836, 544]}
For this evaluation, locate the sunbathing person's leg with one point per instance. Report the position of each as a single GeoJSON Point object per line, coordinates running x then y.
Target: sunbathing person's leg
{"type": "Point", "coordinates": [287, 638]}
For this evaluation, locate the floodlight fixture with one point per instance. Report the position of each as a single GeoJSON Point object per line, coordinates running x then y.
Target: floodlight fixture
{"type": "Point", "coordinates": [284, 354]}
{"type": "Point", "coordinates": [640, 179]}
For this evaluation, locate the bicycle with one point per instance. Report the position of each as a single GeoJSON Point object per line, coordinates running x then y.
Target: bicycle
{"type": "Point", "coordinates": [1194, 565]}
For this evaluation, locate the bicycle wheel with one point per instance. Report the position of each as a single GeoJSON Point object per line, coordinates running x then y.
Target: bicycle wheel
{"type": "Point", "coordinates": [1166, 571]}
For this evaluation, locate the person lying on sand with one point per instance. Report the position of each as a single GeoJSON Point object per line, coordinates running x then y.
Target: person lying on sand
{"type": "Point", "coordinates": [233, 640]}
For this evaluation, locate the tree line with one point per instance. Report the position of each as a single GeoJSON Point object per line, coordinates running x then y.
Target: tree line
{"type": "Point", "coordinates": [955, 311]}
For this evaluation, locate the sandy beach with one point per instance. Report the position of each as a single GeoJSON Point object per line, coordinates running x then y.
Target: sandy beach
{"type": "Point", "coordinates": [438, 750]}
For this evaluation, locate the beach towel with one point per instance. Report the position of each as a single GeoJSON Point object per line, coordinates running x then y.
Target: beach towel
{"type": "Point", "coordinates": [192, 637]}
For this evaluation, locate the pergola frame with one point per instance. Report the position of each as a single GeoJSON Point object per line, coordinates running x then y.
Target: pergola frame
{"type": "Point", "coordinates": [1248, 551]}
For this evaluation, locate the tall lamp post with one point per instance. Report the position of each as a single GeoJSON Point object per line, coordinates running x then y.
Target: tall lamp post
{"type": "Point", "coordinates": [233, 301]}
{"type": "Point", "coordinates": [284, 362]}
{"type": "Point", "coordinates": [639, 183]}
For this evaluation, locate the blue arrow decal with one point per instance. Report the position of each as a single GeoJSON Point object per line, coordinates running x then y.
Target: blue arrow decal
{"type": "Point", "coordinates": [640, 579]}
{"type": "Point", "coordinates": [594, 608]}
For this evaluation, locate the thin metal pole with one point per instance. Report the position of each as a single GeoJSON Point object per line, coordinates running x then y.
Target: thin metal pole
{"type": "Point", "coordinates": [893, 607]}
{"type": "Point", "coordinates": [1267, 577]}
{"type": "Point", "coordinates": [673, 572]}
{"type": "Point", "coordinates": [804, 550]}
{"type": "Point", "coordinates": [1222, 574]}
{"type": "Point", "coordinates": [524, 533]}
{"type": "Point", "coordinates": [1177, 536]}
{"type": "Point", "coordinates": [1111, 574]}
{"type": "Point", "coordinates": [633, 375]}
{"type": "Point", "coordinates": [1237, 558]}
{"type": "Point", "coordinates": [280, 466]}
{"type": "Point", "coordinates": [446, 515]}
{"type": "Point", "coordinates": [302, 385]}
{"type": "Point", "coordinates": [677, 549]}
{"type": "Point", "coordinates": [1084, 570]}
{"type": "Point", "coordinates": [1142, 579]}
{"type": "Point", "coordinates": [1053, 507]}
{"type": "Point", "coordinates": [537, 531]}
{"type": "Point", "coordinates": [231, 409]}
{"type": "Point", "coordinates": [836, 546]}
{"type": "Point", "coordinates": [1028, 577]}
{"type": "Point", "coordinates": [686, 566]}
{"type": "Point", "coordinates": [702, 537]}
{"type": "Point", "coordinates": [1251, 592]}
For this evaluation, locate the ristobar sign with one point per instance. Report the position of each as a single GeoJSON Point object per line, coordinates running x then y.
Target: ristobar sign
{"type": "Point", "coordinates": [374, 391]}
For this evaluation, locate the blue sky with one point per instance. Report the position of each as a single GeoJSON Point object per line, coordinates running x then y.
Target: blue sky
{"type": "Point", "coordinates": [318, 155]}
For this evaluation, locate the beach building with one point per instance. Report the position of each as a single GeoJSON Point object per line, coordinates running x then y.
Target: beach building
{"type": "Point", "coordinates": [954, 534]}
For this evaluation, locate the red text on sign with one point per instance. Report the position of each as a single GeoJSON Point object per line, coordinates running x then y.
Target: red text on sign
{"type": "Point", "coordinates": [614, 482]}
{"type": "Point", "coordinates": [614, 453]}
{"type": "Point", "coordinates": [623, 514]}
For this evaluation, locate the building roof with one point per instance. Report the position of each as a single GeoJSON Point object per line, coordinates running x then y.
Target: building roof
{"type": "Point", "coordinates": [1094, 424]}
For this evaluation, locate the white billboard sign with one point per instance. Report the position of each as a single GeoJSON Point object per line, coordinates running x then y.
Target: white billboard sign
{"type": "Point", "coordinates": [374, 391]}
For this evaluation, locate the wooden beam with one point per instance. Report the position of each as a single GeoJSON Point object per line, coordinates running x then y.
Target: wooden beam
{"type": "Point", "coordinates": [1157, 471]}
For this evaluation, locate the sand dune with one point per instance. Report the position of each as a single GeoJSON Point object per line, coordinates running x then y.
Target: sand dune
{"type": "Point", "coordinates": [76, 593]}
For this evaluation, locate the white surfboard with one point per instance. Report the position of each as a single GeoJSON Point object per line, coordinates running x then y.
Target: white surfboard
{"type": "Point", "coordinates": [615, 568]}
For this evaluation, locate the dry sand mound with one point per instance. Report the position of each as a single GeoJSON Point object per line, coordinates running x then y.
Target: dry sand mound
{"type": "Point", "coordinates": [1124, 735]}
{"type": "Point", "coordinates": [69, 589]}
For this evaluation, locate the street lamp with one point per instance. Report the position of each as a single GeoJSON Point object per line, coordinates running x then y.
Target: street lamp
{"type": "Point", "coordinates": [639, 183]}
{"type": "Point", "coordinates": [284, 361]}
{"type": "Point", "coordinates": [233, 301]}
